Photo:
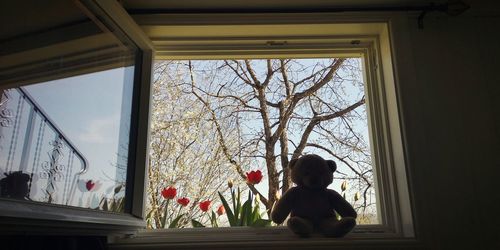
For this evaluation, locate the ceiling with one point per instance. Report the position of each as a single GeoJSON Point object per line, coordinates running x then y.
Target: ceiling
{"type": "Point", "coordinates": [21, 17]}
{"type": "Point", "coordinates": [255, 5]}
{"type": "Point", "coordinates": [30, 16]}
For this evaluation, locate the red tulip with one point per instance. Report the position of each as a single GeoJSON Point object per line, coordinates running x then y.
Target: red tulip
{"type": "Point", "coordinates": [89, 185]}
{"type": "Point", "coordinates": [169, 193]}
{"type": "Point", "coordinates": [221, 210]}
{"type": "Point", "coordinates": [183, 201]}
{"type": "Point", "coordinates": [254, 177]}
{"type": "Point", "coordinates": [204, 205]}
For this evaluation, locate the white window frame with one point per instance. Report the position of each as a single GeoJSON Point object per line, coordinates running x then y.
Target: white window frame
{"type": "Point", "coordinates": [372, 37]}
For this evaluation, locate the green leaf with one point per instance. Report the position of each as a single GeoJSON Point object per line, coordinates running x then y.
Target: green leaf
{"type": "Point", "coordinates": [213, 219]}
{"type": "Point", "coordinates": [114, 205]}
{"type": "Point", "coordinates": [148, 216]}
{"type": "Point", "coordinates": [174, 223]}
{"type": "Point", "coordinates": [105, 205]}
{"type": "Point", "coordinates": [255, 214]}
{"type": "Point", "coordinates": [242, 219]}
{"type": "Point", "coordinates": [249, 208]}
{"type": "Point", "coordinates": [261, 223]}
{"type": "Point", "coordinates": [121, 206]}
{"type": "Point", "coordinates": [237, 212]}
{"type": "Point", "coordinates": [233, 196]}
{"type": "Point", "coordinates": [229, 213]}
{"type": "Point", "coordinates": [164, 218]}
{"type": "Point", "coordinates": [246, 212]}
{"type": "Point", "coordinates": [196, 223]}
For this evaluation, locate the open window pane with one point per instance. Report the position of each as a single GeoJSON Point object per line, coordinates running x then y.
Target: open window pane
{"type": "Point", "coordinates": [208, 128]}
{"type": "Point", "coordinates": [66, 140]}
{"type": "Point", "coordinates": [65, 115]}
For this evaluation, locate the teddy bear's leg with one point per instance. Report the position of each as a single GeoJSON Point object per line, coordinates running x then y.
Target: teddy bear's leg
{"type": "Point", "coordinates": [337, 228]}
{"type": "Point", "coordinates": [300, 226]}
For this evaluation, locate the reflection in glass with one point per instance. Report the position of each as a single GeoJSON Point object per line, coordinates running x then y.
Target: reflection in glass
{"type": "Point", "coordinates": [65, 110]}
{"type": "Point", "coordinates": [66, 141]}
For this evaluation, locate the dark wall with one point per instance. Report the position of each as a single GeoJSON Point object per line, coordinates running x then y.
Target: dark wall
{"type": "Point", "coordinates": [52, 242]}
{"type": "Point", "coordinates": [452, 114]}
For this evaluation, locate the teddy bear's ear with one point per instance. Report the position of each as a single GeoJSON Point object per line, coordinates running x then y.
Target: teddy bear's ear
{"type": "Point", "coordinates": [332, 165]}
{"type": "Point", "coordinates": [292, 163]}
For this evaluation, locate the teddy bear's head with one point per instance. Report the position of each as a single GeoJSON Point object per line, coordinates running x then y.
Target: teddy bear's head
{"type": "Point", "coordinates": [15, 185]}
{"type": "Point", "coordinates": [312, 171]}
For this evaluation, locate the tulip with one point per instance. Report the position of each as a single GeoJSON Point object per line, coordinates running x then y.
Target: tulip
{"type": "Point", "coordinates": [205, 205]}
{"type": "Point", "coordinates": [254, 177]}
{"type": "Point", "coordinates": [356, 196]}
{"type": "Point", "coordinates": [183, 201]}
{"type": "Point", "coordinates": [230, 184]}
{"type": "Point", "coordinates": [169, 193]}
{"type": "Point", "coordinates": [343, 186]}
{"type": "Point", "coordinates": [221, 210]}
{"type": "Point", "coordinates": [89, 185]}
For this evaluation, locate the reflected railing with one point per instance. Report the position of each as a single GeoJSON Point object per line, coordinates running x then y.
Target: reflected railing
{"type": "Point", "coordinates": [38, 160]}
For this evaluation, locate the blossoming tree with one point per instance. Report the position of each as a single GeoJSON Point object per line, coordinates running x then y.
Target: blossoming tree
{"type": "Point", "coordinates": [264, 113]}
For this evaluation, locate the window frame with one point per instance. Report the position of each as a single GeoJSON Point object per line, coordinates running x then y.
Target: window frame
{"type": "Point", "coordinates": [35, 217]}
{"type": "Point", "coordinates": [387, 53]}
{"type": "Point", "coordinates": [375, 39]}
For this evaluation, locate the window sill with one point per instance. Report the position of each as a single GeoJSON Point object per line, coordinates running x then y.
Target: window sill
{"type": "Point", "coordinates": [365, 237]}
{"type": "Point", "coordinates": [19, 216]}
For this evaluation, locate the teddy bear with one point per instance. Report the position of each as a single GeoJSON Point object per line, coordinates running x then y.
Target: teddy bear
{"type": "Point", "coordinates": [15, 185]}
{"type": "Point", "coordinates": [312, 205]}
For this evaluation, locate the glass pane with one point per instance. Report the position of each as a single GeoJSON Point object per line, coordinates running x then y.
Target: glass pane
{"type": "Point", "coordinates": [65, 117]}
{"type": "Point", "coordinates": [208, 127]}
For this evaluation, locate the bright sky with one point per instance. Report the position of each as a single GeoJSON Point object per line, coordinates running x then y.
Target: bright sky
{"type": "Point", "coordinates": [88, 110]}
{"type": "Point", "coordinates": [353, 94]}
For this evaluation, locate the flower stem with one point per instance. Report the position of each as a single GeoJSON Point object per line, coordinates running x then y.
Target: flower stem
{"type": "Point", "coordinates": [164, 218]}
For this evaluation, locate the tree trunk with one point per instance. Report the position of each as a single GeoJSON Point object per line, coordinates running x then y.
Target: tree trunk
{"type": "Point", "coordinates": [273, 180]}
{"type": "Point", "coordinates": [287, 180]}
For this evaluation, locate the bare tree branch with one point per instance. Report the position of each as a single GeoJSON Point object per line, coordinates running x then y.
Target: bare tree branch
{"type": "Point", "coordinates": [222, 142]}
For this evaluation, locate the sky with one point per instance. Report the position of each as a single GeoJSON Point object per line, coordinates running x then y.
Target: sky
{"type": "Point", "coordinates": [352, 94]}
{"type": "Point", "coordinates": [204, 71]}
{"type": "Point", "coordinates": [89, 110]}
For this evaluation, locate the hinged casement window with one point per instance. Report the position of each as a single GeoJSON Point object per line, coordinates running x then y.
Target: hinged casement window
{"type": "Point", "coordinates": [74, 101]}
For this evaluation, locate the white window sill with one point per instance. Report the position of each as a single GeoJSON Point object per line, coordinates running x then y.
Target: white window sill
{"type": "Point", "coordinates": [365, 237]}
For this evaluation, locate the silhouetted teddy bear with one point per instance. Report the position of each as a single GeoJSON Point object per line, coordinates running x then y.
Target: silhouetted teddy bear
{"type": "Point", "coordinates": [15, 185]}
{"type": "Point", "coordinates": [311, 204]}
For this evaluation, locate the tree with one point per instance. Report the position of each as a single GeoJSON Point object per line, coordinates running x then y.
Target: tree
{"type": "Point", "coordinates": [280, 109]}
{"type": "Point", "coordinates": [181, 152]}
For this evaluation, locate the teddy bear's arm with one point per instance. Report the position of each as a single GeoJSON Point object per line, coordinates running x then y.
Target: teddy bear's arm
{"type": "Point", "coordinates": [283, 206]}
{"type": "Point", "coordinates": [341, 206]}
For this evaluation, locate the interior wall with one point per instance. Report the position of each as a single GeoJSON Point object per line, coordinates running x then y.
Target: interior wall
{"type": "Point", "coordinates": [452, 128]}
{"type": "Point", "coordinates": [451, 114]}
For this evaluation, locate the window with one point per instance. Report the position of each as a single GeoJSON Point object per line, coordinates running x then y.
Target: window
{"type": "Point", "coordinates": [219, 37]}
{"type": "Point", "coordinates": [207, 129]}
{"type": "Point", "coordinates": [70, 119]}
{"type": "Point", "coordinates": [69, 137]}
{"type": "Point", "coordinates": [214, 37]}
